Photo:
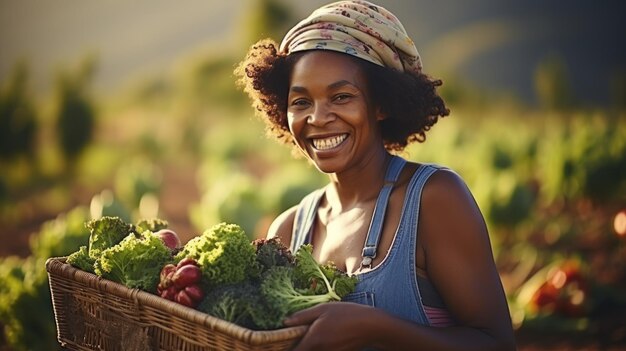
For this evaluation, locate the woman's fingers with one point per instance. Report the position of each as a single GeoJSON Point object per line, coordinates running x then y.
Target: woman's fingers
{"type": "Point", "coordinates": [304, 317]}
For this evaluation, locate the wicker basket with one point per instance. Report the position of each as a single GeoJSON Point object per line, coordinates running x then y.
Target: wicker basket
{"type": "Point", "coordinates": [92, 313]}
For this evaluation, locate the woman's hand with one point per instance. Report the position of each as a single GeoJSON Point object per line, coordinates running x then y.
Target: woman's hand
{"type": "Point", "coordinates": [340, 326]}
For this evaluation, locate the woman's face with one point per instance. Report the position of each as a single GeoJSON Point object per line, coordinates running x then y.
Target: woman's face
{"type": "Point", "coordinates": [329, 113]}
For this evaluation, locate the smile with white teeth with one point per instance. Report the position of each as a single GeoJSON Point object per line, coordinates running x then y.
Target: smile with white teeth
{"type": "Point", "coordinates": [329, 143]}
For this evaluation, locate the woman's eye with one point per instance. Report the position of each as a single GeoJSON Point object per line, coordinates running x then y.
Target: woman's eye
{"type": "Point", "coordinates": [299, 103]}
{"type": "Point", "coordinates": [342, 97]}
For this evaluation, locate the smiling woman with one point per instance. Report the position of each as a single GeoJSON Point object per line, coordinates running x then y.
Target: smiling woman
{"type": "Point", "coordinates": [346, 88]}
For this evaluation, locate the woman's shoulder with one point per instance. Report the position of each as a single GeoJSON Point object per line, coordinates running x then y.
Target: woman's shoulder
{"type": "Point", "coordinates": [440, 177]}
{"type": "Point", "coordinates": [445, 196]}
{"type": "Point", "coordinates": [282, 226]}
{"type": "Point", "coordinates": [443, 179]}
{"type": "Point", "coordinates": [444, 193]}
{"type": "Point", "coordinates": [445, 188]}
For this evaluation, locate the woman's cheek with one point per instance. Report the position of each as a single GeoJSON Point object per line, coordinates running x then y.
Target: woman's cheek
{"type": "Point", "coordinates": [295, 125]}
{"type": "Point", "coordinates": [295, 128]}
{"type": "Point", "coordinates": [290, 122]}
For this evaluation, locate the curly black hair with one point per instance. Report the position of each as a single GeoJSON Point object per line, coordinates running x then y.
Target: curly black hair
{"type": "Point", "coordinates": [409, 101]}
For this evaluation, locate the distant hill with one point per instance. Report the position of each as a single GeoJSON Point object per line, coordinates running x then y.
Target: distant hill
{"type": "Point", "coordinates": [494, 44]}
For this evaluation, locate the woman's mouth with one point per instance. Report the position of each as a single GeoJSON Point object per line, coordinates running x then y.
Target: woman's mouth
{"type": "Point", "coordinates": [328, 143]}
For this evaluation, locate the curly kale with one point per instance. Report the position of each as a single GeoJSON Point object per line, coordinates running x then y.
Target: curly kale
{"type": "Point", "coordinates": [135, 262]}
{"type": "Point", "coordinates": [271, 253]}
{"type": "Point", "coordinates": [243, 304]}
{"type": "Point", "coordinates": [82, 260]}
{"type": "Point", "coordinates": [321, 279]}
{"type": "Point", "coordinates": [341, 283]}
{"type": "Point", "coordinates": [106, 232]}
{"type": "Point", "coordinates": [223, 252]}
{"type": "Point", "coordinates": [233, 303]}
{"type": "Point", "coordinates": [281, 294]}
{"type": "Point", "coordinates": [290, 289]}
{"type": "Point", "coordinates": [285, 286]}
{"type": "Point", "coordinates": [152, 224]}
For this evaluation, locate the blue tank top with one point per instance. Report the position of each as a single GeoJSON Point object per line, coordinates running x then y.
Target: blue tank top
{"type": "Point", "coordinates": [392, 285]}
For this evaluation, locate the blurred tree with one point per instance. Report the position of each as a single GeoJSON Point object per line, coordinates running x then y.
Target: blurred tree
{"type": "Point", "coordinates": [552, 84]}
{"type": "Point", "coordinates": [267, 19]}
{"type": "Point", "coordinates": [18, 122]}
{"type": "Point", "coordinates": [75, 116]}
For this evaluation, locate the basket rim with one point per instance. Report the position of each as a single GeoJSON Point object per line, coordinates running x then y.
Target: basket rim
{"type": "Point", "coordinates": [58, 266]}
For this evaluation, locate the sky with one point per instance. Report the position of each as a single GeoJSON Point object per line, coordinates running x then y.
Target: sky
{"type": "Point", "coordinates": [494, 44]}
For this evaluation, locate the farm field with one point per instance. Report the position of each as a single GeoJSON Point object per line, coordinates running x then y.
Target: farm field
{"type": "Point", "coordinates": [549, 177]}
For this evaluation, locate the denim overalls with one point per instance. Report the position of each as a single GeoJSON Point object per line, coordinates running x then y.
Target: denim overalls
{"type": "Point", "coordinates": [392, 285]}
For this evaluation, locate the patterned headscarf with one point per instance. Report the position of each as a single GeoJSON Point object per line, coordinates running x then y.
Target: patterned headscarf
{"type": "Point", "coordinates": [358, 28]}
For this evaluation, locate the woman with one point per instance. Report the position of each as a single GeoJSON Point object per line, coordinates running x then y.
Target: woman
{"type": "Point", "coordinates": [346, 87]}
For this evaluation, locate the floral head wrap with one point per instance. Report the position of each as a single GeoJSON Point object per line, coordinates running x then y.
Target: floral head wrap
{"type": "Point", "coordinates": [358, 28]}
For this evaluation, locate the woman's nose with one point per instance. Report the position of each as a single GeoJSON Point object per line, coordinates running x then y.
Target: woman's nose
{"type": "Point", "coordinates": [321, 115]}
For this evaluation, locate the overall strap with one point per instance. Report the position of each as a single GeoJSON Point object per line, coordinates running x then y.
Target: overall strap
{"type": "Point", "coordinates": [376, 225]}
{"type": "Point", "coordinates": [304, 219]}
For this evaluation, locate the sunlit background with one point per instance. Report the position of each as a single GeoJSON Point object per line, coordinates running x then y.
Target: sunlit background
{"type": "Point", "coordinates": [131, 109]}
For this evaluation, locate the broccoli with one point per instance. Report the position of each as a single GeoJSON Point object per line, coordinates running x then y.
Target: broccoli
{"type": "Point", "coordinates": [153, 225]}
{"type": "Point", "coordinates": [135, 262]}
{"type": "Point", "coordinates": [223, 252]}
{"type": "Point", "coordinates": [82, 260]}
{"type": "Point", "coordinates": [105, 233]}
{"type": "Point", "coordinates": [271, 253]}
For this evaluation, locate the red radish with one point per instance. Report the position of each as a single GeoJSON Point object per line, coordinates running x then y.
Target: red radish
{"type": "Point", "coordinates": [187, 261]}
{"type": "Point", "coordinates": [169, 238]}
{"type": "Point", "coordinates": [186, 275]}
{"type": "Point", "coordinates": [169, 293]}
{"type": "Point", "coordinates": [194, 292]}
{"type": "Point", "coordinates": [180, 283]}
{"type": "Point", "coordinates": [167, 270]}
{"type": "Point", "coordinates": [184, 299]}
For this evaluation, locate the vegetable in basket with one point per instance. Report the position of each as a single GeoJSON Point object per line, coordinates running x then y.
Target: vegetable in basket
{"type": "Point", "coordinates": [128, 254]}
{"type": "Point", "coordinates": [181, 283]}
{"type": "Point", "coordinates": [307, 284]}
{"type": "Point", "coordinates": [271, 253]}
{"type": "Point", "coordinates": [223, 253]}
{"type": "Point", "coordinates": [159, 227]}
{"type": "Point", "coordinates": [151, 224]}
{"type": "Point", "coordinates": [283, 287]}
{"type": "Point", "coordinates": [236, 303]}
{"type": "Point", "coordinates": [105, 232]}
{"type": "Point", "coordinates": [243, 303]}
{"type": "Point", "coordinates": [135, 262]}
